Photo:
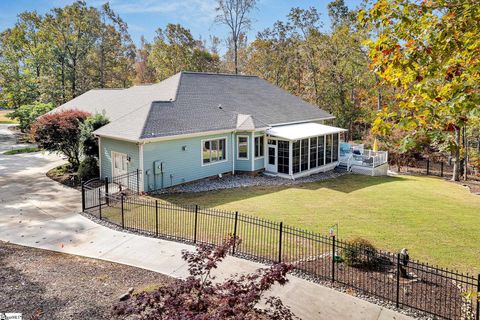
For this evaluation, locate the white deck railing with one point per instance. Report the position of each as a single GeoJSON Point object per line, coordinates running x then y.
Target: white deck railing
{"type": "Point", "coordinates": [369, 159]}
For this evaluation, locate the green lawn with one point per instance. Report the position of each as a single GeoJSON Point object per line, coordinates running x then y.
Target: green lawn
{"type": "Point", "coordinates": [438, 221]}
{"type": "Point", "coordinates": [3, 117]}
{"type": "Point", "coordinates": [23, 150]}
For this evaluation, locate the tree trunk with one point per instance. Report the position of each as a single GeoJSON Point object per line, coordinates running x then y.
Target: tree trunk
{"type": "Point", "coordinates": [456, 157]}
{"type": "Point", "coordinates": [235, 49]}
{"type": "Point", "coordinates": [465, 157]}
{"type": "Point", "coordinates": [74, 78]}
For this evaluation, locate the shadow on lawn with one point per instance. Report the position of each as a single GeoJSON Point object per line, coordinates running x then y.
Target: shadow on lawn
{"type": "Point", "coordinates": [344, 184]}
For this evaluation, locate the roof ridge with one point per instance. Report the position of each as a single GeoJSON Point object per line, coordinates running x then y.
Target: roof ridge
{"type": "Point", "coordinates": [220, 74]}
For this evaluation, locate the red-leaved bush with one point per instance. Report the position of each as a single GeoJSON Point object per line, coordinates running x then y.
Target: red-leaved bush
{"type": "Point", "coordinates": [199, 297]}
{"type": "Point", "coordinates": [60, 132]}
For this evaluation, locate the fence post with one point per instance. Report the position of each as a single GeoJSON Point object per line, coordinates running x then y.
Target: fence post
{"type": "Point", "coordinates": [123, 216]}
{"type": "Point", "coordinates": [138, 181]}
{"type": "Point", "coordinates": [195, 226]}
{"type": "Point", "coordinates": [83, 197]}
{"type": "Point", "coordinates": [156, 217]}
{"type": "Point", "coordinates": [441, 169]}
{"type": "Point", "coordinates": [106, 191]}
{"type": "Point", "coordinates": [428, 166]}
{"type": "Point", "coordinates": [100, 203]}
{"type": "Point", "coordinates": [478, 298]}
{"type": "Point", "coordinates": [235, 232]}
{"type": "Point", "coordinates": [280, 244]}
{"type": "Point", "coordinates": [333, 258]}
{"type": "Point", "coordinates": [397, 300]}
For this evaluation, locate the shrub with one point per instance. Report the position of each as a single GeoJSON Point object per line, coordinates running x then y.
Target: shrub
{"type": "Point", "coordinates": [361, 253]}
{"type": "Point", "coordinates": [198, 297]}
{"type": "Point", "coordinates": [27, 114]}
{"type": "Point", "coordinates": [88, 169]}
{"type": "Point", "coordinates": [60, 132]}
{"type": "Point", "coordinates": [89, 142]}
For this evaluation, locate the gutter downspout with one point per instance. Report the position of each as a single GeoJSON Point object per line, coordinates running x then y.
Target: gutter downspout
{"type": "Point", "coordinates": [100, 154]}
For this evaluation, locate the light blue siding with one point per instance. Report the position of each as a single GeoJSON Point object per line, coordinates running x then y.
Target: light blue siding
{"type": "Point", "coordinates": [108, 145]}
{"type": "Point", "coordinates": [182, 161]}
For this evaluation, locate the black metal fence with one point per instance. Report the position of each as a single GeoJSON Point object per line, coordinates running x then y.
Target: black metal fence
{"type": "Point", "coordinates": [433, 167]}
{"type": "Point", "coordinates": [439, 292]}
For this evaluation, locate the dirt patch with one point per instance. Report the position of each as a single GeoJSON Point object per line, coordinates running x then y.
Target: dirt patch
{"type": "Point", "coordinates": [54, 285]}
{"type": "Point", "coordinates": [65, 175]}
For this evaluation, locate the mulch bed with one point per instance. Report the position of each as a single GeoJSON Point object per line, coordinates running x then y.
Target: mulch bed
{"type": "Point", "coordinates": [43, 284]}
{"type": "Point", "coordinates": [423, 290]}
{"type": "Point", "coordinates": [66, 177]}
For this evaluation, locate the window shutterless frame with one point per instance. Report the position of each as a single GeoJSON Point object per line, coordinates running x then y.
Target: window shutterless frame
{"type": "Point", "coordinates": [238, 147]}
{"type": "Point", "coordinates": [202, 143]}
{"type": "Point", "coordinates": [260, 148]}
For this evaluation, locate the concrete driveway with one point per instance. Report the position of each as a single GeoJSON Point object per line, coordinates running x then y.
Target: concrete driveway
{"type": "Point", "coordinates": [38, 212]}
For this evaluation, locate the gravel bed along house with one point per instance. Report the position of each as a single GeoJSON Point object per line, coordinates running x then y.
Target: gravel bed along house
{"type": "Point", "coordinates": [244, 180]}
{"type": "Point", "coordinates": [43, 284]}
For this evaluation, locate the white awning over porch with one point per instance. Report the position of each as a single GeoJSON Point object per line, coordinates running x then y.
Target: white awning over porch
{"type": "Point", "coordinates": [302, 130]}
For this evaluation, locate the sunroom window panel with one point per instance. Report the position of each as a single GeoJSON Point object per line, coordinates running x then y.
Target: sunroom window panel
{"type": "Point", "coordinates": [328, 149]}
{"type": "Point", "coordinates": [335, 147]}
{"type": "Point", "coordinates": [296, 156]}
{"type": "Point", "coordinates": [304, 155]}
{"type": "Point", "coordinates": [313, 152]}
{"type": "Point", "coordinates": [283, 156]}
{"type": "Point", "coordinates": [321, 151]}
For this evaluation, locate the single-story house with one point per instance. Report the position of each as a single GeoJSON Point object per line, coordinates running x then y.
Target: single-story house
{"type": "Point", "coordinates": [198, 125]}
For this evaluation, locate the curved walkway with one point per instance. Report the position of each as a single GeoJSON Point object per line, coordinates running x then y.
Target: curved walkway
{"type": "Point", "coordinates": [38, 212]}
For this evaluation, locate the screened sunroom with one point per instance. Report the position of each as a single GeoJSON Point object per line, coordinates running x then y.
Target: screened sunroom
{"type": "Point", "coordinates": [302, 149]}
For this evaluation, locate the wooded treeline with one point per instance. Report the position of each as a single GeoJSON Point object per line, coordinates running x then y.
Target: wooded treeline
{"type": "Point", "coordinates": [54, 57]}
{"type": "Point", "coordinates": [408, 70]}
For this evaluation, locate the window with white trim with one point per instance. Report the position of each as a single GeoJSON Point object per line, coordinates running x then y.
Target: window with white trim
{"type": "Point", "coordinates": [213, 150]}
{"type": "Point", "coordinates": [259, 148]}
{"type": "Point", "coordinates": [242, 147]}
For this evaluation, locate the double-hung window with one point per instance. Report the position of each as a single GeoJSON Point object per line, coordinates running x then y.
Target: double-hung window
{"type": "Point", "coordinates": [213, 150]}
{"type": "Point", "coordinates": [259, 148]}
{"type": "Point", "coordinates": [242, 147]}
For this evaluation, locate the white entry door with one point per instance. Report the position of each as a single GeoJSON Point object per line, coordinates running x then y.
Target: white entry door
{"type": "Point", "coordinates": [272, 164]}
{"type": "Point", "coordinates": [119, 162]}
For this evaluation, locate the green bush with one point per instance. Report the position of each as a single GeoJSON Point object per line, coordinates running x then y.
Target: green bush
{"type": "Point", "coordinates": [88, 169]}
{"type": "Point", "coordinates": [361, 253]}
{"type": "Point", "coordinates": [88, 141]}
{"type": "Point", "coordinates": [27, 114]}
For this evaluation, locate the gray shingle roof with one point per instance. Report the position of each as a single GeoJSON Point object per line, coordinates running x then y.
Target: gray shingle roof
{"type": "Point", "coordinates": [192, 102]}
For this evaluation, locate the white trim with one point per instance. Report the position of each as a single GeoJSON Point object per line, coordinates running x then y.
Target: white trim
{"type": "Point", "coordinates": [253, 151]}
{"type": "Point", "coordinates": [140, 166]}
{"type": "Point", "coordinates": [265, 150]}
{"type": "Point", "coordinates": [215, 162]}
{"type": "Point", "coordinates": [302, 121]}
{"type": "Point", "coordinates": [238, 149]}
{"type": "Point", "coordinates": [100, 153]}
{"type": "Point", "coordinates": [166, 138]}
{"type": "Point", "coordinates": [290, 158]}
{"type": "Point", "coordinates": [232, 135]}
